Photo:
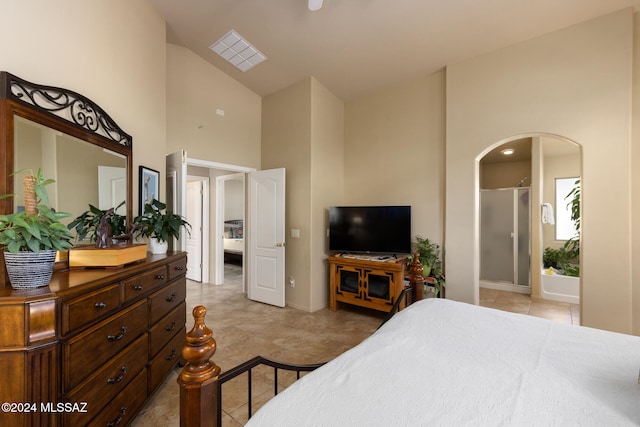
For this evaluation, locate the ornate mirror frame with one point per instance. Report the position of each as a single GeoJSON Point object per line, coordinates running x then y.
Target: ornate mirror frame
{"type": "Point", "coordinates": [62, 110]}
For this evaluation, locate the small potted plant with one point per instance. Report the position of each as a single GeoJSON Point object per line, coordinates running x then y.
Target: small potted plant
{"type": "Point", "coordinates": [86, 223]}
{"type": "Point", "coordinates": [31, 237]}
{"type": "Point", "coordinates": [429, 256]}
{"type": "Point", "coordinates": [159, 226]}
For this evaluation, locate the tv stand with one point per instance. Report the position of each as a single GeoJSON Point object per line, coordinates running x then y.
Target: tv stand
{"type": "Point", "coordinates": [371, 281]}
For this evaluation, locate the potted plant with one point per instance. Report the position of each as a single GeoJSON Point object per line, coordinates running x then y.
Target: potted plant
{"type": "Point", "coordinates": [86, 223]}
{"type": "Point", "coordinates": [31, 237]}
{"type": "Point", "coordinates": [429, 256]}
{"type": "Point", "coordinates": [159, 226]}
{"type": "Point", "coordinates": [428, 253]}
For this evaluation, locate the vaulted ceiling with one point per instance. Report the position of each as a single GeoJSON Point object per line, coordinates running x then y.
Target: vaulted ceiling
{"type": "Point", "coordinates": [356, 47]}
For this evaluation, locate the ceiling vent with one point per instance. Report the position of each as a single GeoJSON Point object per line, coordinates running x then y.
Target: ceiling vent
{"type": "Point", "coordinates": [238, 51]}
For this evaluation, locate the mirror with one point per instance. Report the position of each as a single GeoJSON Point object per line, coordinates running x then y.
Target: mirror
{"type": "Point", "coordinates": [96, 175]}
{"type": "Point", "coordinates": [72, 139]}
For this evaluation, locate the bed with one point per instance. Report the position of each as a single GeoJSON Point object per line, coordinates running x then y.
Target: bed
{"type": "Point", "coordinates": [440, 362]}
{"type": "Point", "coordinates": [233, 240]}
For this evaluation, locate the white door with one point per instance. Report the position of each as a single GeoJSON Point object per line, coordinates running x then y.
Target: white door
{"type": "Point", "coordinates": [176, 192]}
{"type": "Point", "coordinates": [112, 188]}
{"type": "Point", "coordinates": [194, 240]}
{"type": "Point", "coordinates": [266, 236]}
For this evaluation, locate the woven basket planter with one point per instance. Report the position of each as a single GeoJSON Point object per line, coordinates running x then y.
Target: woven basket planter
{"type": "Point", "coordinates": [29, 270]}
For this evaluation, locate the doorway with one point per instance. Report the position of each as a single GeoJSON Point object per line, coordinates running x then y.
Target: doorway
{"type": "Point", "coordinates": [230, 224]}
{"type": "Point", "coordinates": [534, 163]}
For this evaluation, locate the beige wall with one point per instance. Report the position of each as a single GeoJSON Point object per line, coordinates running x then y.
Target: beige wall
{"type": "Point", "coordinates": [394, 151]}
{"type": "Point", "coordinates": [327, 183]}
{"type": "Point", "coordinates": [196, 90]}
{"type": "Point", "coordinates": [504, 174]}
{"type": "Point", "coordinates": [575, 83]}
{"type": "Point", "coordinates": [303, 133]}
{"type": "Point", "coordinates": [286, 143]}
{"type": "Point", "coordinates": [112, 52]}
{"type": "Point", "coordinates": [634, 157]}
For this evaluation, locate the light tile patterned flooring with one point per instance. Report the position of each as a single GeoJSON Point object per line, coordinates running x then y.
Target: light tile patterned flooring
{"type": "Point", "coordinates": [244, 329]}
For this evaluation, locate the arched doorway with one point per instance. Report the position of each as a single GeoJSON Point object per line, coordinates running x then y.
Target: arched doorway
{"type": "Point", "coordinates": [522, 209]}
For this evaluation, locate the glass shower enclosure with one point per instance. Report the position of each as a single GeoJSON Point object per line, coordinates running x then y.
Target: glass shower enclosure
{"type": "Point", "coordinates": [505, 236]}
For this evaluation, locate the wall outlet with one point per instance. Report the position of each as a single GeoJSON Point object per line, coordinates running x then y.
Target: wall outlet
{"type": "Point", "coordinates": [292, 282]}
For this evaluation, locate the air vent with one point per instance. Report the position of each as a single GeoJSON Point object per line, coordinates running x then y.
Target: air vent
{"type": "Point", "coordinates": [239, 52]}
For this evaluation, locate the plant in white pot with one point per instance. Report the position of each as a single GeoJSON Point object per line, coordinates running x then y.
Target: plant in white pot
{"type": "Point", "coordinates": [159, 226]}
{"type": "Point", "coordinates": [31, 237]}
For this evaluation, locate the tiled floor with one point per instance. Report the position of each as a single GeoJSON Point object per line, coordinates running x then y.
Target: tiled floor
{"type": "Point", "coordinates": [244, 329]}
{"type": "Point", "coordinates": [523, 304]}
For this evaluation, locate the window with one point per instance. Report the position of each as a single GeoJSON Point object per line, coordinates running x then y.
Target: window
{"type": "Point", "coordinates": [565, 227]}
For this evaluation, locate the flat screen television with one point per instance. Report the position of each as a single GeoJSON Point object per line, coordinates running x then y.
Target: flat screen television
{"type": "Point", "coordinates": [370, 229]}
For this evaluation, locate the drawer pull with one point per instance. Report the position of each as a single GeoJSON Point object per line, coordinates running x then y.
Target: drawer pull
{"type": "Point", "coordinates": [116, 380]}
{"type": "Point", "coordinates": [114, 338]}
{"type": "Point", "coordinates": [172, 355]}
{"type": "Point", "coordinates": [171, 298]}
{"type": "Point", "coordinates": [160, 276]}
{"type": "Point", "coordinates": [179, 268]}
{"type": "Point", "coordinates": [118, 420]}
{"type": "Point", "coordinates": [170, 327]}
{"type": "Point", "coordinates": [100, 305]}
{"type": "Point", "coordinates": [138, 288]}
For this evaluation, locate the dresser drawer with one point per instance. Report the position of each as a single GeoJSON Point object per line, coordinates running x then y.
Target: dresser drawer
{"type": "Point", "coordinates": [177, 268]}
{"type": "Point", "coordinates": [104, 385]}
{"type": "Point", "coordinates": [83, 310]}
{"type": "Point", "coordinates": [123, 409]}
{"type": "Point", "coordinates": [166, 328]}
{"type": "Point", "coordinates": [140, 284]}
{"type": "Point", "coordinates": [161, 302]}
{"type": "Point", "coordinates": [166, 358]}
{"type": "Point", "coordinates": [89, 350]}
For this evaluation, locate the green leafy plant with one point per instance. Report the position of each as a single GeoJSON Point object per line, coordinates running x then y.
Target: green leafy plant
{"type": "Point", "coordinates": [563, 259]}
{"type": "Point", "coordinates": [38, 227]}
{"type": "Point", "coordinates": [429, 257]}
{"type": "Point", "coordinates": [566, 258]}
{"type": "Point", "coordinates": [154, 223]}
{"type": "Point", "coordinates": [87, 222]}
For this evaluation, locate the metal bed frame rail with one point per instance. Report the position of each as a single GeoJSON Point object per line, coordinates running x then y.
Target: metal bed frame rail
{"type": "Point", "coordinates": [247, 368]}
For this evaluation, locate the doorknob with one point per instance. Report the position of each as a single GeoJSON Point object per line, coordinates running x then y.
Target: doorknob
{"type": "Point", "coordinates": [280, 245]}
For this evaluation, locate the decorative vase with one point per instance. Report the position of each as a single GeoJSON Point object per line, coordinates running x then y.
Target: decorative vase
{"type": "Point", "coordinates": [30, 269]}
{"type": "Point", "coordinates": [157, 247]}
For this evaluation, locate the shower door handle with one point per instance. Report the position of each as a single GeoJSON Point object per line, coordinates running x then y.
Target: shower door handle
{"type": "Point", "coordinates": [512, 235]}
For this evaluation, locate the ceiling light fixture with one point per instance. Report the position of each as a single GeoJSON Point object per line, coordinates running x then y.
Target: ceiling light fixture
{"type": "Point", "coordinates": [508, 151]}
{"type": "Point", "coordinates": [239, 52]}
{"type": "Point", "coordinates": [315, 5]}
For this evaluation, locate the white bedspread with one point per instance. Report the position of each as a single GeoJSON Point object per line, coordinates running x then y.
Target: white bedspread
{"type": "Point", "coordinates": [447, 363]}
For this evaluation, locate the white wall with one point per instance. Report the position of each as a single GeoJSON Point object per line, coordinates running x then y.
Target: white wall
{"type": "Point", "coordinates": [575, 83]}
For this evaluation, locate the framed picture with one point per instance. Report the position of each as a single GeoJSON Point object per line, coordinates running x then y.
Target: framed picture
{"type": "Point", "coordinates": [149, 187]}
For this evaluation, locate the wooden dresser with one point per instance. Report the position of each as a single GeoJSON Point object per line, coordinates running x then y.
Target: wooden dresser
{"type": "Point", "coordinates": [90, 348]}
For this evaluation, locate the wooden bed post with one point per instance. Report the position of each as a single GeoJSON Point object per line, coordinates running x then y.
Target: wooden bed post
{"type": "Point", "coordinates": [415, 277]}
{"type": "Point", "coordinates": [198, 379]}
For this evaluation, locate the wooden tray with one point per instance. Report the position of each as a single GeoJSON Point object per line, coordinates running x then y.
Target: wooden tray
{"type": "Point", "coordinates": [115, 256]}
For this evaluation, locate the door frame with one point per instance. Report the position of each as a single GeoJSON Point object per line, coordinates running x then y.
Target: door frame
{"type": "Point", "coordinates": [219, 252]}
